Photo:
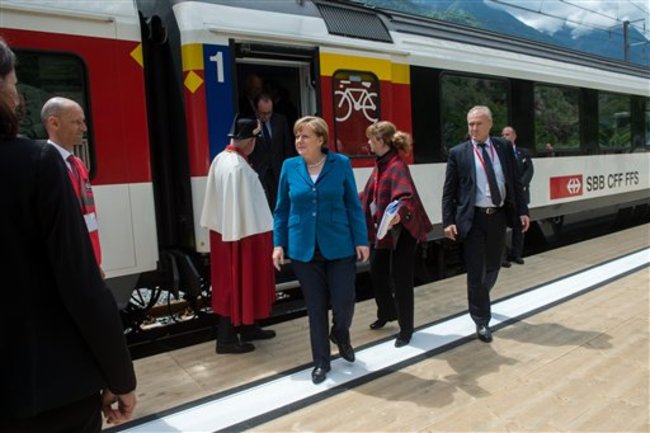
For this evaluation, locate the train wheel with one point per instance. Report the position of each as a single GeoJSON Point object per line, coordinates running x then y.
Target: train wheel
{"type": "Point", "coordinates": [143, 299]}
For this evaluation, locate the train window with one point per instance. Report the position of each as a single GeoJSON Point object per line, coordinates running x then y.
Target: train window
{"type": "Point", "coordinates": [459, 93]}
{"type": "Point", "coordinates": [356, 106]}
{"type": "Point", "coordinates": [614, 131]}
{"type": "Point", "coordinates": [557, 118]}
{"type": "Point", "coordinates": [45, 75]}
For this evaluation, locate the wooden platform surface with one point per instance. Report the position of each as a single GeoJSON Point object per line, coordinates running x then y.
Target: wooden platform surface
{"type": "Point", "coordinates": [580, 366]}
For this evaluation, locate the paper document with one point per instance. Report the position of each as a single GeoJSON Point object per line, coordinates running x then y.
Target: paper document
{"type": "Point", "coordinates": [389, 214]}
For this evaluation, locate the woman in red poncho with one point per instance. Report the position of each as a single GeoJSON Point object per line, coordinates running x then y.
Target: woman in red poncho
{"type": "Point", "coordinates": [392, 261]}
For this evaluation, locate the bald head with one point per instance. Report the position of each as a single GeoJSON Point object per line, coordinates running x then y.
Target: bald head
{"type": "Point", "coordinates": [64, 122]}
{"type": "Point", "coordinates": [509, 134]}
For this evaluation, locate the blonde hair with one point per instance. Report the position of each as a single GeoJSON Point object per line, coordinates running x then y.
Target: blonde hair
{"type": "Point", "coordinates": [316, 124]}
{"type": "Point", "coordinates": [389, 134]}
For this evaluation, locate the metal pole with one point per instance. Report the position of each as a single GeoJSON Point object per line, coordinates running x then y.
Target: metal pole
{"type": "Point", "coordinates": [626, 43]}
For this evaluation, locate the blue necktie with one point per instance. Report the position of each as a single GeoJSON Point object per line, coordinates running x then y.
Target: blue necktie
{"type": "Point", "coordinates": [492, 178]}
{"type": "Point", "coordinates": [267, 134]}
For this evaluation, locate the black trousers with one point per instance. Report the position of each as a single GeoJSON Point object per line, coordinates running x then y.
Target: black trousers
{"type": "Point", "coordinates": [483, 250]}
{"type": "Point", "coordinates": [391, 272]}
{"type": "Point", "coordinates": [324, 282]}
{"type": "Point", "coordinates": [83, 416]}
{"type": "Point", "coordinates": [270, 186]}
{"type": "Point", "coordinates": [517, 247]}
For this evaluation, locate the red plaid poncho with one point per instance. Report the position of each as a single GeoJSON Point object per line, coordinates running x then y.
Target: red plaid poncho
{"type": "Point", "coordinates": [391, 180]}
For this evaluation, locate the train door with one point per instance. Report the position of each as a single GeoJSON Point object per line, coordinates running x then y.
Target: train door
{"type": "Point", "coordinates": [215, 69]}
{"type": "Point", "coordinates": [286, 74]}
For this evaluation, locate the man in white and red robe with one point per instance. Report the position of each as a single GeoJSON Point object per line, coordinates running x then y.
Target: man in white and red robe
{"type": "Point", "coordinates": [241, 242]}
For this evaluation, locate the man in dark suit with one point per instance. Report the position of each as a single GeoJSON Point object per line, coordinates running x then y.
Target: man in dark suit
{"type": "Point", "coordinates": [64, 359]}
{"type": "Point", "coordinates": [525, 171]}
{"type": "Point", "coordinates": [273, 147]}
{"type": "Point", "coordinates": [253, 86]}
{"type": "Point", "coordinates": [481, 195]}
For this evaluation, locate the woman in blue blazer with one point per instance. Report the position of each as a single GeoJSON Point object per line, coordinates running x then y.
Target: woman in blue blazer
{"type": "Point", "coordinates": [319, 225]}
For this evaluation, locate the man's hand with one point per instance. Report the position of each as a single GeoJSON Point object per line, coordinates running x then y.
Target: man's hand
{"type": "Point", "coordinates": [123, 411]}
{"type": "Point", "coordinates": [451, 232]}
{"type": "Point", "coordinates": [525, 222]}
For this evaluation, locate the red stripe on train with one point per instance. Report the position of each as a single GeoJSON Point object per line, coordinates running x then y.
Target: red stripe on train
{"type": "Point", "coordinates": [117, 100]}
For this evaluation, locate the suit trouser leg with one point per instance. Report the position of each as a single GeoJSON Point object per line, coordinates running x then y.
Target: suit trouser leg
{"type": "Point", "coordinates": [495, 247]}
{"type": "Point", "coordinates": [483, 250]}
{"type": "Point", "coordinates": [402, 269]}
{"type": "Point", "coordinates": [341, 275]}
{"type": "Point", "coordinates": [517, 249]}
{"type": "Point", "coordinates": [380, 273]}
{"type": "Point", "coordinates": [313, 282]}
{"type": "Point", "coordinates": [83, 416]}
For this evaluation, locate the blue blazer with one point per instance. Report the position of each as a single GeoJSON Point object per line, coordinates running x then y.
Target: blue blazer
{"type": "Point", "coordinates": [326, 213]}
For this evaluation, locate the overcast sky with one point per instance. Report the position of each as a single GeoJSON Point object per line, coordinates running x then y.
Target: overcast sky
{"type": "Point", "coordinates": [581, 15]}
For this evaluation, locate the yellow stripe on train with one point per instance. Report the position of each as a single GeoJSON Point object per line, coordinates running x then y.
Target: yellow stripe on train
{"type": "Point", "coordinates": [385, 70]}
{"type": "Point", "coordinates": [192, 57]}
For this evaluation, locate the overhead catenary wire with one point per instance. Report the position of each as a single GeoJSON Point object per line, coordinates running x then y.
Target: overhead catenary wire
{"type": "Point", "coordinates": [645, 11]}
{"type": "Point", "coordinates": [562, 18]}
{"type": "Point", "coordinates": [616, 19]}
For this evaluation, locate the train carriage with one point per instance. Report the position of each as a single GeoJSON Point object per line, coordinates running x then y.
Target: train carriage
{"type": "Point", "coordinates": [91, 52]}
{"type": "Point", "coordinates": [160, 82]}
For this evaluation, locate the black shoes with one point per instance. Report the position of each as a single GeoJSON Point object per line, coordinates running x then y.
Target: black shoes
{"type": "Point", "coordinates": [234, 347]}
{"type": "Point", "coordinates": [401, 341]}
{"type": "Point", "coordinates": [379, 323]}
{"type": "Point", "coordinates": [257, 334]}
{"type": "Point", "coordinates": [483, 333]}
{"type": "Point", "coordinates": [319, 374]}
{"type": "Point", "coordinates": [345, 349]}
{"type": "Point", "coordinates": [517, 260]}
{"type": "Point", "coordinates": [506, 264]}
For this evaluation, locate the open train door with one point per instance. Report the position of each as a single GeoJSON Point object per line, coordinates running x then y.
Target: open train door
{"type": "Point", "coordinates": [215, 81]}
{"type": "Point", "coordinates": [287, 74]}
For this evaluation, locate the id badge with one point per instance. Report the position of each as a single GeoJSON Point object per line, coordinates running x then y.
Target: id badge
{"type": "Point", "coordinates": [373, 208]}
{"type": "Point", "coordinates": [91, 222]}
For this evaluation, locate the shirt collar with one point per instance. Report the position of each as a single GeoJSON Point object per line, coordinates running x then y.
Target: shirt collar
{"type": "Point", "coordinates": [232, 148]}
{"type": "Point", "coordinates": [62, 151]}
{"type": "Point", "coordinates": [487, 141]}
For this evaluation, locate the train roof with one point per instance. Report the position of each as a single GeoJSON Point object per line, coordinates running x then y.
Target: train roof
{"type": "Point", "coordinates": [352, 19]}
{"type": "Point", "coordinates": [344, 25]}
{"type": "Point", "coordinates": [107, 19]}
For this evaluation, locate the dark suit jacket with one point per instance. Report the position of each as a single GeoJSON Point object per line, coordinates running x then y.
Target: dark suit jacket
{"type": "Point", "coordinates": [267, 156]}
{"type": "Point", "coordinates": [459, 191]}
{"type": "Point", "coordinates": [61, 338]}
{"type": "Point", "coordinates": [525, 169]}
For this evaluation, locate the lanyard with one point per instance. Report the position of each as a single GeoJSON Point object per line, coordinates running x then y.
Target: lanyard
{"type": "Point", "coordinates": [85, 200]}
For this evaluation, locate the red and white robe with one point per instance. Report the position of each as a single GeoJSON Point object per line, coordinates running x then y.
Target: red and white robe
{"type": "Point", "coordinates": [241, 240]}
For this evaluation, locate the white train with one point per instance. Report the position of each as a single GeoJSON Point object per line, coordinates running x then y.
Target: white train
{"type": "Point", "coordinates": [160, 82]}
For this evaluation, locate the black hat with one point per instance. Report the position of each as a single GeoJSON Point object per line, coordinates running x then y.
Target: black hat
{"type": "Point", "coordinates": [244, 127]}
